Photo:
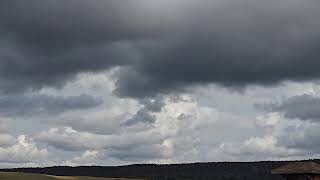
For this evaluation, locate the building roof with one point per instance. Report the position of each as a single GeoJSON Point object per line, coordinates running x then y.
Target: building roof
{"type": "Point", "coordinates": [298, 168]}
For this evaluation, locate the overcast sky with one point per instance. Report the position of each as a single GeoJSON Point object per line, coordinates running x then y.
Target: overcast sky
{"type": "Point", "coordinates": [114, 82]}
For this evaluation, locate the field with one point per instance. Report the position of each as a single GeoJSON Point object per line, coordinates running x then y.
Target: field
{"type": "Point", "coordinates": [25, 176]}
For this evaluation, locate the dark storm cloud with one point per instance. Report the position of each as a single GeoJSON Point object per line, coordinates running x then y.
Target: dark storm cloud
{"type": "Point", "coordinates": [234, 45]}
{"type": "Point", "coordinates": [45, 43]}
{"type": "Point", "coordinates": [304, 107]}
{"type": "Point", "coordinates": [255, 43]}
{"type": "Point", "coordinates": [21, 72]}
{"type": "Point", "coordinates": [61, 25]}
{"type": "Point", "coordinates": [164, 46]}
{"type": "Point", "coordinates": [22, 105]}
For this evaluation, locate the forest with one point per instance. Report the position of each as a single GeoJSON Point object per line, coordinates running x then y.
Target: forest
{"type": "Point", "coordinates": [196, 171]}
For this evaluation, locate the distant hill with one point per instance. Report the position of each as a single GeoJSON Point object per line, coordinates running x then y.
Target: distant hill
{"type": "Point", "coordinates": [196, 171]}
{"type": "Point", "coordinates": [24, 176]}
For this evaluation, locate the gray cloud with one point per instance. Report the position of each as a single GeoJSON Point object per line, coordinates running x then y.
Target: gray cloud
{"type": "Point", "coordinates": [69, 139]}
{"type": "Point", "coordinates": [304, 136]}
{"type": "Point", "coordinates": [153, 104]}
{"type": "Point", "coordinates": [304, 107]}
{"type": "Point", "coordinates": [155, 48]}
{"type": "Point", "coordinates": [61, 25]}
{"type": "Point", "coordinates": [257, 43]}
{"type": "Point", "coordinates": [144, 115]}
{"type": "Point", "coordinates": [164, 47]}
{"type": "Point", "coordinates": [6, 140]}
{"type": "Point", "coordinates": [46, 43]}
{"type": "Point", "coordinates": [22, 105]}
{"type": "Point", "coordinates": [28, 71]}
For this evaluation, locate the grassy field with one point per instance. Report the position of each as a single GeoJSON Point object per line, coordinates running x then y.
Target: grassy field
{"type": "Point", "coordinates": [23, 176]}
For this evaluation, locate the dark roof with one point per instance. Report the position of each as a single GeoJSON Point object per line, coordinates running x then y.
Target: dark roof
{"type": "Point", "coordinates": [298, 168]}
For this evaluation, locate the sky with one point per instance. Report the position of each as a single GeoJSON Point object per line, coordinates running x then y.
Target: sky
{"type": "Point", "coordinates": [110, 82]}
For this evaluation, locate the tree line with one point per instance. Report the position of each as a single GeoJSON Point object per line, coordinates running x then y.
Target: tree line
{"type": "Point", "coordinates": [194, 171]}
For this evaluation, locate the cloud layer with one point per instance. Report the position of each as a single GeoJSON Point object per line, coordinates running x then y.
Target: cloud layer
{"type": "Point", "coordinates": [148, 81]}
{"type": "Point", "coordinates": [24, 105]}
{"type": "Point", "coordinates": [223, 42]}
{"type": "Point", "coordinates": [304, 107]}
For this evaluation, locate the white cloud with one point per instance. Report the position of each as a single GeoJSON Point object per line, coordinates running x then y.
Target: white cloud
{"type": "Point", "coordinates": [257, 148]}
{"type": "Point", "coordinates": [212, 125]}
{"type": "Point", "coordinates": [6, 140]}
{"type": "Point", "coordinates": [268, 120]}
{"type": "Point", "coordinates": [23, 151]}
{"type": "Point", "coordinates": [87, 158]}
{"type": "Point", "coordinates": [104, 120]}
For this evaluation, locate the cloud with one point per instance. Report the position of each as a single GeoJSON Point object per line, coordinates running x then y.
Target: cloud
{"type": "Point", "coordinates": [24, 150]}
{"type": "Point", "coordinates": [102, 120]}
{"type": "Point", "coordinates": [303, 107]}
{"type": "Point", "coordinates": [142, 116]}
{"type": "Point", "coordinates": [257, 148]}
{"type": "Point", "coordinates": [24, 71]}
{"type": "Point", "coordinates": [233, 45]}
{"type": "Point", "coordinates": [269, 120]}
{"type": "Point", "coordinates": [160, 47]}
{"type": "Point", "coordinates": [71, 140]}
{"type": "Point", "coordinates": [131, 146]}
{"type": "Point", "coordinates": [7, 140]}
{"type": "Point", "coordinates": [145, 114]}
{"type": "Point", "coordinates": [67, 138]}
{"type": "Point", "coordinates": [304, 136]}
{"type": "Point", "coordinates": [76, 23]}
{"type": "Point", "coordinates": [175, 133]}
{"type": "Point", "coordinates": [281, 138]}
{"type": "Point", "coordinates": [87, 158]}
{"type": "Point", "coordinates": [186, 131]}
{"type": "Point", "coordinates": [22, 105]}
{"type": "Point", "coordinates": [47, 43]}
{"type": "Point", "coordinates": [148, 53]}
